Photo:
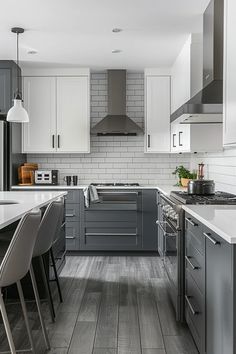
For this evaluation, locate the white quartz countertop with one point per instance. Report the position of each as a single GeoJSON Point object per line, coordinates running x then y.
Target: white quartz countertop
{"type": "Point", "coordinates": [219, 218]}
{"type": "Point", "coordinates": [26, 201]}
{"type": "Point", "coordinates": [165, 189]}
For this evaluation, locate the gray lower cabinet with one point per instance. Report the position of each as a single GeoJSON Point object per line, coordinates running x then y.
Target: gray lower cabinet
{"type": "Point", "coordinates": [73, 228]}
{"type": "Point", "coordinates": [210, 270]}
{"type": "Point", "coordinates": [124, 220]}
{"type": "Point", "coordinates": [220, 304]}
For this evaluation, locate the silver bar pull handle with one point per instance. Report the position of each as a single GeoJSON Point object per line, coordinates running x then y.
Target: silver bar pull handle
{"type": "Point", "coordinates": [109, 234]}
{"type": "Point", "coordinates": [70, 237]}
{"type": "Point", "coordinates": [210, 238]}
{"type": "Point", "coordinates": [194, 312]}
{"type": "Point", "coordinates": [191, 222]}
{"type": "Point", "coordinates": [70, 215]}
{"type": "Point", "coordinates": [190, 263]}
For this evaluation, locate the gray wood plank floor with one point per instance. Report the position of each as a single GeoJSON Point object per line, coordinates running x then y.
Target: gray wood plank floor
{"type": "Point", "coordinates": [112, 305]}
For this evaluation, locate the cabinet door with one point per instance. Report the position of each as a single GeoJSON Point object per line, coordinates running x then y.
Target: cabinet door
{"type": "Point", "coordinates": [5, 90]}
{"type": "Point", "coordinates": [229, 136]}
{"type": "Point", "coordinates": [73, 124]}
{"type": "Point", "coordinates": [219, 296]}
{"type": "Point", "coordinates": [39, 135]}
{"type": "Point", "coordinates": [157, 114]}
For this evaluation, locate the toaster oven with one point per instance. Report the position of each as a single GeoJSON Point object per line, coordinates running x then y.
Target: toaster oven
{"type": "Point", "coordinates": [49, 177]}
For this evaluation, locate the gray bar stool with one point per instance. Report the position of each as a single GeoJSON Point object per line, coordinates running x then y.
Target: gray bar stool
{"type": "Point", "coordinates": [16, 264]}
{"type": "Point", "coordinates": [48, 229]}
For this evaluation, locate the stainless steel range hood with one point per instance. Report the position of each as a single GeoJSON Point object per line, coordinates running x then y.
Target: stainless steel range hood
{"type": "Point", "coordinates": [116, 122]}
{"type": "Point", "coordinates": [207, 105]}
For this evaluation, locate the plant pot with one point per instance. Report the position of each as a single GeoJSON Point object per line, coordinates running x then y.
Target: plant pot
{"type": "Point", "coordinates": [184, 182]}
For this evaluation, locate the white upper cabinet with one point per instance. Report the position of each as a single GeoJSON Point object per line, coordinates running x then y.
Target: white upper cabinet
{"type": "Point", "coordinates": [195, 137]}
{"type": "Point", "coordinates": [229, 116]}
{"type": "Point", "coordinates": [73, 128]}
{"type": "Point", "coordinates": [40, 102]}
{"type": "Point", "coordinates": [157, 113]}
{"type": "Point", "coordinates": [59, 113]}
{"type": "Point", "coordinates": [186, 73]}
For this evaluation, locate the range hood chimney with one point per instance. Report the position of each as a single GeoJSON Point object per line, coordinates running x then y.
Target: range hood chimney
{"type": "Point", "coordinates": [116, 122]}
{"type": "Point", "coordinates": [207, 105]}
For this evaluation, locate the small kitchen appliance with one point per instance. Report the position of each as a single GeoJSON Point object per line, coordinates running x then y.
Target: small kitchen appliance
{"type": "Point", "coordinates": [46, 177]}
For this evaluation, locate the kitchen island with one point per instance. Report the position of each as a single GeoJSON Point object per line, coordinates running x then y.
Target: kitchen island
{"type": "Point", "coordinates": [13, 205]}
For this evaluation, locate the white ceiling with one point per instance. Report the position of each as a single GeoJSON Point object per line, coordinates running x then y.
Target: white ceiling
{"type": "Point", "coordinates": [79, 32]}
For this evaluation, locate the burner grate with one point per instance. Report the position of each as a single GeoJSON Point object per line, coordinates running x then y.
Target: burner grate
{"type": "Point", "coordinates": [217, 198]}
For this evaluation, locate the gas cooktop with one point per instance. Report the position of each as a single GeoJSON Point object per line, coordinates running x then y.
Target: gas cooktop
{"type": "Point", "coordinates": [115, 184]}
{"type": "Point", "coordinates": [217, 198]}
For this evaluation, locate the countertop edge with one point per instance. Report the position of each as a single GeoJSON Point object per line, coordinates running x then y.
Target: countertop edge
{"type": "Point", "coordinates": [217, 230]}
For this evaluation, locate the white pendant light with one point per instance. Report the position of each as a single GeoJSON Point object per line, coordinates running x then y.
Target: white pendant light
{"type": "Point", "coordinates": [17, 113]}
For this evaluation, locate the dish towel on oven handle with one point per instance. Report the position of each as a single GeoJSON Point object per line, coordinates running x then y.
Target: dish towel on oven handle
{"type": "Point", "coordinates": [90, 195]}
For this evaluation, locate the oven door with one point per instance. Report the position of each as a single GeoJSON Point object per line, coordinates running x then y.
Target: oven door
{"type": "Point", "coordinates": [171, 259]}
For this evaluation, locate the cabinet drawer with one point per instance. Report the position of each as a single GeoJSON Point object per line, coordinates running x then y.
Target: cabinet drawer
{"type": "Point", "coordinates": [194, 233]}
{"type": "Point", "coordinates": [194, 312]}
{"type": "Point", "coordinates": [72, 197]}
{"type": "Point", "coordinates": [195, 264]}
{"type": "Point", "coordinates": [119, 216]}
{"type": "Point", "coordinates": [72, 212]}
{"type": "Point", "coordinates": [72, 235]}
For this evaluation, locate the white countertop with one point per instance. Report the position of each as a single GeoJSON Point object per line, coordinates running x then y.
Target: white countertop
{"type": "Point", "coordinates": [26, 201]}
{"type": "Point", "coordinates": [165, 189]}
{"type": "Point", "coordinates": [219, 218]}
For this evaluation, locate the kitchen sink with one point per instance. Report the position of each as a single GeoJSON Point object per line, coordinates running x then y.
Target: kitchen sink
{"type": "Point", "coordinates": [8, 202]}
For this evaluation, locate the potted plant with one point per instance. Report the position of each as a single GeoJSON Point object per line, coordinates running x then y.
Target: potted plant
{"type": "Point", "coordinates": [184, 175]}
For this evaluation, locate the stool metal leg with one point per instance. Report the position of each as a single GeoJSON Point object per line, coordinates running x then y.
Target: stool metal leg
{"type": "Point", "coordinates": [56, 275]}
{"type": "Point", "coordinates": [23, 305]}
{"type": "Point", "coordinates": [6, 324]}
{"type": "Point", "coordinates": [37, 298]}
{"type": "Point", "coordinates": [47, 288]}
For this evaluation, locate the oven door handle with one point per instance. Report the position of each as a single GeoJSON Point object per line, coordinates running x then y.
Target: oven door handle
{"type": "Point", "coordinates": [167, 200]}
{"type": "Point", "coordinates": [165, 234]}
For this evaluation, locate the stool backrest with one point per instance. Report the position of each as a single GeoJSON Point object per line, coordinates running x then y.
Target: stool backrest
{"type": "Point", "coordinates": [17, 259]}
{"type": "Point", "coordinates": [48, 227]}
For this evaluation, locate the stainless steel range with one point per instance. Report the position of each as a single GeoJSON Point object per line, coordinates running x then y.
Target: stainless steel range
{"type": "Point", "coordinates": [171, 227]}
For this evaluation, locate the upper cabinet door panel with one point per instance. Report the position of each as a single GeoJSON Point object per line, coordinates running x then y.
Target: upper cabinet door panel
{"type": "Point", "coordinates": [229, 136]}
{"type": "Point", "coordinates": [40, 102]}
{"type": "Point", "coordinates": [73, 123]}
{"type": "Point", "coordinates": [157, 114]}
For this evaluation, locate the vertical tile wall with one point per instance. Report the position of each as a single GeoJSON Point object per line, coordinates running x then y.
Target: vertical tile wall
{"type": "Point", "coordinates": [219, 166]}
{"type": "Point", "coordinates": [115, 159]}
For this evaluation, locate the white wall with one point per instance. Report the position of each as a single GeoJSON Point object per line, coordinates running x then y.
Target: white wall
{"type": "Point", "coordinates": [115, 159]}
{"type": "Point", "coordinates": [221, 167]}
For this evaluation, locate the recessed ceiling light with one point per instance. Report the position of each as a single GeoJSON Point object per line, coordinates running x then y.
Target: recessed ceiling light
{"type": "Point", "coordinates": [32, 52]}
{"type": "Point", "coordinates": [115, 51]}
{"type": "Point", "coordinates": [117, 30]}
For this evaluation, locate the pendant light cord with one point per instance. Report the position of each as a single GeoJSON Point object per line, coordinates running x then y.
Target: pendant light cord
{"type": "Point", "coordinates": [17, 62]}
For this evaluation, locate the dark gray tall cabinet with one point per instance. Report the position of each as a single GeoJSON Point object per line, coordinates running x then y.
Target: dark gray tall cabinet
{"type": "Point", "coordinates": [8, 85]}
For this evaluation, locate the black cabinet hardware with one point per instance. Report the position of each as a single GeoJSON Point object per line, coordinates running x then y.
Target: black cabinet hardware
{"type": "Point", "coordinates": [180, 144]}
{"type": "Point", "coordinates": [149, 140]}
